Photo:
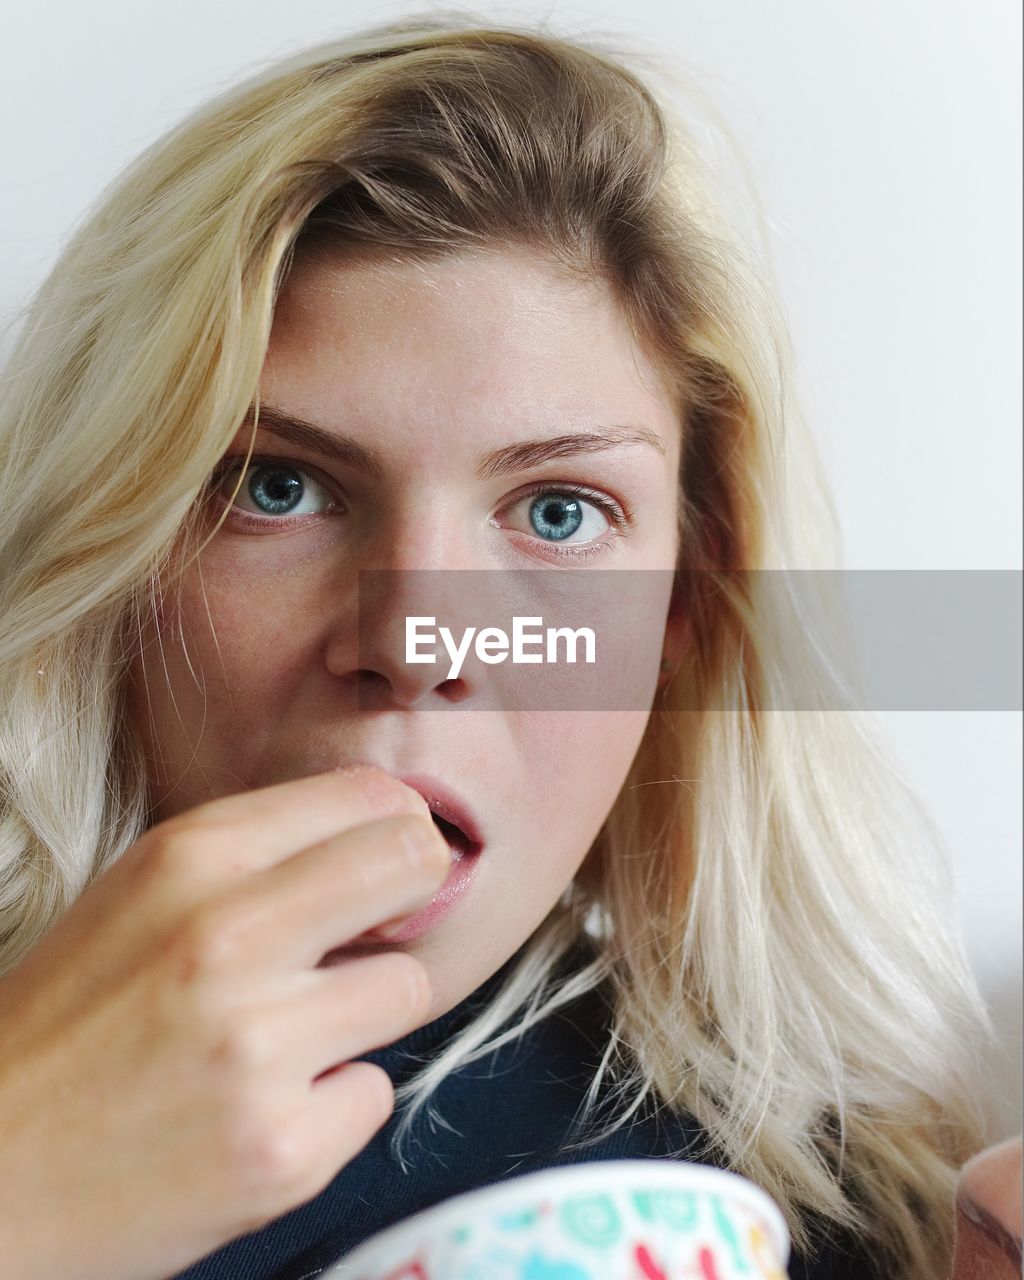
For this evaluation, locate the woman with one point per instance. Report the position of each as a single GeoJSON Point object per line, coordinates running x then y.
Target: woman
{"type": "Point", "coordinates": [435, 299]}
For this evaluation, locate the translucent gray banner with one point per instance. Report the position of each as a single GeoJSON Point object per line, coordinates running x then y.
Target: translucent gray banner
{"type": "Point", "coordinates": [774, 640]}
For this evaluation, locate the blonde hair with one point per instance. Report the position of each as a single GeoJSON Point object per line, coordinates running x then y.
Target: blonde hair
{"type": "Point", "coordinates": [768, 902]}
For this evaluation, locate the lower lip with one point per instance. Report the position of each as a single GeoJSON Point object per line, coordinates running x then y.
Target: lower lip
{"type": "Point", "coordinates": [459, 879]}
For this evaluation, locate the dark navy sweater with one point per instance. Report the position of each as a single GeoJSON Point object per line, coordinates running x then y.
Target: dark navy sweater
{"type": "Point", "coordinates": [509, 1114]}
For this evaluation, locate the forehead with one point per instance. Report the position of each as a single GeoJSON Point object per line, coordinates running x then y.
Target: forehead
{"type": "Point", "coordinates": [490, 333]}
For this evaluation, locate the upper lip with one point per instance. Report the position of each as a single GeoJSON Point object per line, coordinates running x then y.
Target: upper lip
{"type": "Point", "coordinates": [443, 801]}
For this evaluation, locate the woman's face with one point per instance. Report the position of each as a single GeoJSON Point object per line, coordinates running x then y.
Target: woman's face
{"type": "Point", "coordinates": [255, 671]}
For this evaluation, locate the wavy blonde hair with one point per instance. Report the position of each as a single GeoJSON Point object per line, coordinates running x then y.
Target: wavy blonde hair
{"type": "Point", "coordinates": [773, 917]}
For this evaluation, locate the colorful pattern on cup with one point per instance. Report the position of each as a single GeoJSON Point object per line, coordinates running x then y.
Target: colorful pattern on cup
{"type": "Point", "coordinates": [719, 1228]}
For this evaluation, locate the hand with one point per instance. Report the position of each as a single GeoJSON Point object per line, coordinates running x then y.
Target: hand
{"type": "Point", "coordinates": [165, 1044]}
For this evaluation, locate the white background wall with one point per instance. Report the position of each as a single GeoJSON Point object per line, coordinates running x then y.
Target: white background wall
{"type": "Point", "coordinates": [883, 137]}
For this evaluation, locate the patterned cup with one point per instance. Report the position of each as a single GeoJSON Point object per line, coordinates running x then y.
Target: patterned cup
{"type": "Point", "coordinates": [606, 1220]}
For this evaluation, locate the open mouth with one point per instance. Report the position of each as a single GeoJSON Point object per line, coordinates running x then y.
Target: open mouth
{"type": "Point", "coordinates": [459, 843]}
{"type": "Point", "coordinates": [457, 840]}
{"type": "Point", "coordinates": [451, 814]}
{"type": "Point", "coordinates": [448, 813]}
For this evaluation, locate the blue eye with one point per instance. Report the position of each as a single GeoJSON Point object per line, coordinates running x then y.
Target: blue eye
{"type": "Point", "coordinates": [275, 493]}
{"type": "Point", "coordinates": [566, 519]}
{"type": "Point", "coordinates": [275, 490]}
{"type": "Point", "coordinates": [556, 516]}
{"type": "Point", "coordinates": [272, 489]}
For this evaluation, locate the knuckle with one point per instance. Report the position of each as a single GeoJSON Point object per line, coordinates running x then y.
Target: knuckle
{"type": "Point", "coordinates": [212, 939]}
{"type": "Point", "coordinates": [245, 1046]}
{"type": "Point", "coordinates": [174, 851]}
{"type": "Point", "coordinates": [382, 1091]}
{"type": "Point", "coordinates": [409, 978]}
{"type": "Point", "coordinates": [165, 849]}
{"type": "Point", "coordinates": [374, 1093]}
{"type": "Point", "coordinates": [267, 1148]}
{"type": "Point", "coordinates": [279, 1158]}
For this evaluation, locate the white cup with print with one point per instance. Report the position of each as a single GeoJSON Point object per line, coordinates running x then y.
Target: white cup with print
{"type": "Point", "coordinates": [605, 1220]}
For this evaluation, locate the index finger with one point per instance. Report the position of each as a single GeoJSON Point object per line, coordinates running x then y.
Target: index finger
{"type": "Point", "coordinates": [272, 823]}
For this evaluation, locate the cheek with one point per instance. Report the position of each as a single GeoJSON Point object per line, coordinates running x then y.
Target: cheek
{"type": "Point", "coordinates": [241, 618]}
{"type": "Point", "coordinates": [223, 655]}
{"type": "Point", "coordinates": [576, 763]}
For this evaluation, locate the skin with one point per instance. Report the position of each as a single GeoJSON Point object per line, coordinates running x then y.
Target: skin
{"type": "Point", "coordinates": [989, 1193]}
{"type": "Point", "coordinates": [252, 672]}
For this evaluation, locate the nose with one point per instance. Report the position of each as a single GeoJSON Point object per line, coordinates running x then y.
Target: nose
{"type": "Point", "coordinates": [421, 571]}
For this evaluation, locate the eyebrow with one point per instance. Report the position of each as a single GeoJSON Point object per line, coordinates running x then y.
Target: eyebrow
{"type": "Point", "coordinates": [498, 462]}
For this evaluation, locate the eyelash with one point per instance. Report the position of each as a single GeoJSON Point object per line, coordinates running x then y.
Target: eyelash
{"type": "Point", "coordinates": [620, 514]}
